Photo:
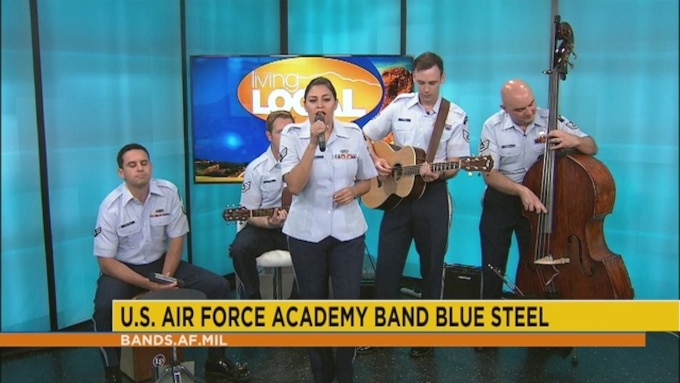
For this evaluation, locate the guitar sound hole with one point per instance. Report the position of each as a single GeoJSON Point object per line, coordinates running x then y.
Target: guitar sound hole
{"type": "Point", "coordinates": [397, 172]}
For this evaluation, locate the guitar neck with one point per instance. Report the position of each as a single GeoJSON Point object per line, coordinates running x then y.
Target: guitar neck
{"type": "Point", "coordinates": [265, 212]}
{"type": "Point", "coordinates": [242, 214]}
{"type": "Point", "coordinates": [436, 167]}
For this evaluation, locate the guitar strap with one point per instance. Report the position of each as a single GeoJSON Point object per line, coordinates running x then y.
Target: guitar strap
{"type": "Point", "coordinates": [286, 197]}
{"type": "Point", "coordinates": [438, 129]}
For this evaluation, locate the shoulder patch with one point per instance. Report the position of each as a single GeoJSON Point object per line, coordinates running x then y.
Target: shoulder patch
{"type": "Point", "coordinates": [282, 153]}
{"type": "Point", "coordinates": [466, 135]}
{"type": "Point", "coordinates": [567, 123]}
{"type": "Point", "coordinates": [97, 231]}
{"type": "Point", "coordinates": [245, 186]}
{"type": "Point", "coordinates": [484, 145]}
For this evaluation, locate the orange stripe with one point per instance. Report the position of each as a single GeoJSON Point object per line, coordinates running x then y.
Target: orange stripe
{"type": "Point", "coordinates": [333, 339]}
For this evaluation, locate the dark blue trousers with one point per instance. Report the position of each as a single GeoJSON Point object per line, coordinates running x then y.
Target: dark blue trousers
{"type": "Point", "coordinates": [109, 288]}
{"type": "Point", "coordinates": [501, 216]}
{"type": "Point", "coordinates": [250, 243]}
{"type": "Point", "coordinates": [315, 264]}
{"type": "Point", "coordinates": [425, 221]}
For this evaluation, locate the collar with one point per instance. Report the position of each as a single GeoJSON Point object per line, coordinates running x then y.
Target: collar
{"type": "Point", "coordinates": [271, 160]}
{"type": "Point", "coordinates": [416, 101]}
{"type": "Point", "coordinates": [127, 196]}
{"type": "Point", "coordinates": [305, 133]}
{"type": "Point", "coordinates": [509, 124]}
{"type": "Point", "coordinates": [339, 129]}
{"type": "Point", "coordinates": [507, 121]}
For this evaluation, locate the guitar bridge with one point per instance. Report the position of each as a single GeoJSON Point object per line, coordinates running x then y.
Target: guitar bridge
{"type": "Point", "coordinates": [549, 260]}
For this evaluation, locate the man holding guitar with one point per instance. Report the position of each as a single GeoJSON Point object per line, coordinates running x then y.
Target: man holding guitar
{"type": "Point", "coordinates": [411, 118]}
{"type": "Point", "coordinates": [262, 188]}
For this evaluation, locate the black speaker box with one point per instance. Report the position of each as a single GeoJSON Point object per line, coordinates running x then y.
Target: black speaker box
{"type": "Point", "coordinates": [367, 289]}
{"type": "Point", "coordinates": [462, 282]}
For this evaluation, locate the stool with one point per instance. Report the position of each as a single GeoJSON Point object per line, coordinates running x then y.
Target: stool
{"type": "Point", "coordinates": [275, 259]}
{"type": "Point", "coordinates": [176, 369]}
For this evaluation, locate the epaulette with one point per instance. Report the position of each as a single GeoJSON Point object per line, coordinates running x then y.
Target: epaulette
{"type": "Point", "coordinates": [543, 113]}
{"type": "Point", "coordinates": [353, 126]}
{"type": "Point", "coordinates": [290, 127]}
{"type": "Point", "coordinates": [456, 109]}
{"type": "Point", "coordinates": [497, 119]}
{"type": "Point", "coordinates": [257, 162]}
{"type": "Point", "coordinates": [165, 184]}
{"type": "Point", "coordinates": [405, 96]}
{"type": "Point", "coordinates": [112, 197]}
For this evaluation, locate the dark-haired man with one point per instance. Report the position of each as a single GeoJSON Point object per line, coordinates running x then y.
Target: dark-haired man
{"type": "Point", "coordinates": [140, 230]}
{"type": "Point", "coordinates": [411, 118]}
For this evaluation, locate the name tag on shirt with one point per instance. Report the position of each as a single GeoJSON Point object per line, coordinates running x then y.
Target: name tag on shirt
{"type": "Point", "coordinates": [404, 119]}
{"type": "Point", "coordinates": [507, 146]}
{"type": "Point", "coordinates": [345, 156]}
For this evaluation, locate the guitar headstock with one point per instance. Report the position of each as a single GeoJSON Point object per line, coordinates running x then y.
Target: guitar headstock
{"type": "Point", "coordinates": [236, 214]}
{"type": "Point", "coordinates": [476, 163]}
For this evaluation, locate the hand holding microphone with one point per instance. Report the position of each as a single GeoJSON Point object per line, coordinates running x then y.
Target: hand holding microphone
{"type": "Point", "coordinates": [321, 137]}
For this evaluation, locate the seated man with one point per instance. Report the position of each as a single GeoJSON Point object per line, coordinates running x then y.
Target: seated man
{"type": "Point", "coordinates": [140, 230]}
{"type": "Point", "coordinates": [262, 188]}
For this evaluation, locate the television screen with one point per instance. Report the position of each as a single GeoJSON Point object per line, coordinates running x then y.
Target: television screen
{"type": "Point", "coordinates": [231, 97]}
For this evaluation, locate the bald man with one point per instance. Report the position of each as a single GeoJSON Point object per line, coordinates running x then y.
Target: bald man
{"type": "Point", "coordinates": [515, 137]}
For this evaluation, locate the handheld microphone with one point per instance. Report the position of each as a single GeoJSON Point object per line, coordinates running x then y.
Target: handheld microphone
{"type": "Point", "coordinates": [322, 136]}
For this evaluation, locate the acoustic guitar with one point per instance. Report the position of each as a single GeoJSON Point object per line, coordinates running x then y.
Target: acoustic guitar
{"type": "Point", "coordinates": [405, 181]}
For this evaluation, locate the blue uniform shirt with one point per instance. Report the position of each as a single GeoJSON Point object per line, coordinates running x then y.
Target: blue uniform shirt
{"type": "Point", "coordinates": [313, 215]}
{"type": "Point", "coordinates": [137, 233]}
{"type": "Point", "coordinates": [262, 183]}
{"type": "Point", "coordinates": [513, 150]}
{"type": "Point", "coordinates": [412, 126]}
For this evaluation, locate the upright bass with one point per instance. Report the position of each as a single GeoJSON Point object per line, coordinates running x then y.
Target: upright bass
{"type": "Point", "coordinates": [569, 258]}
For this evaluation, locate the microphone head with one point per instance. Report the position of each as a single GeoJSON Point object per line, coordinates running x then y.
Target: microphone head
{"type": "Point", "coordinates": [319, 117]}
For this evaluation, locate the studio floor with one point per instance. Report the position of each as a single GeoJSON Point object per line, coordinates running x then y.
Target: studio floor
{"type": "Point", "coordinates": [657, 362]}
